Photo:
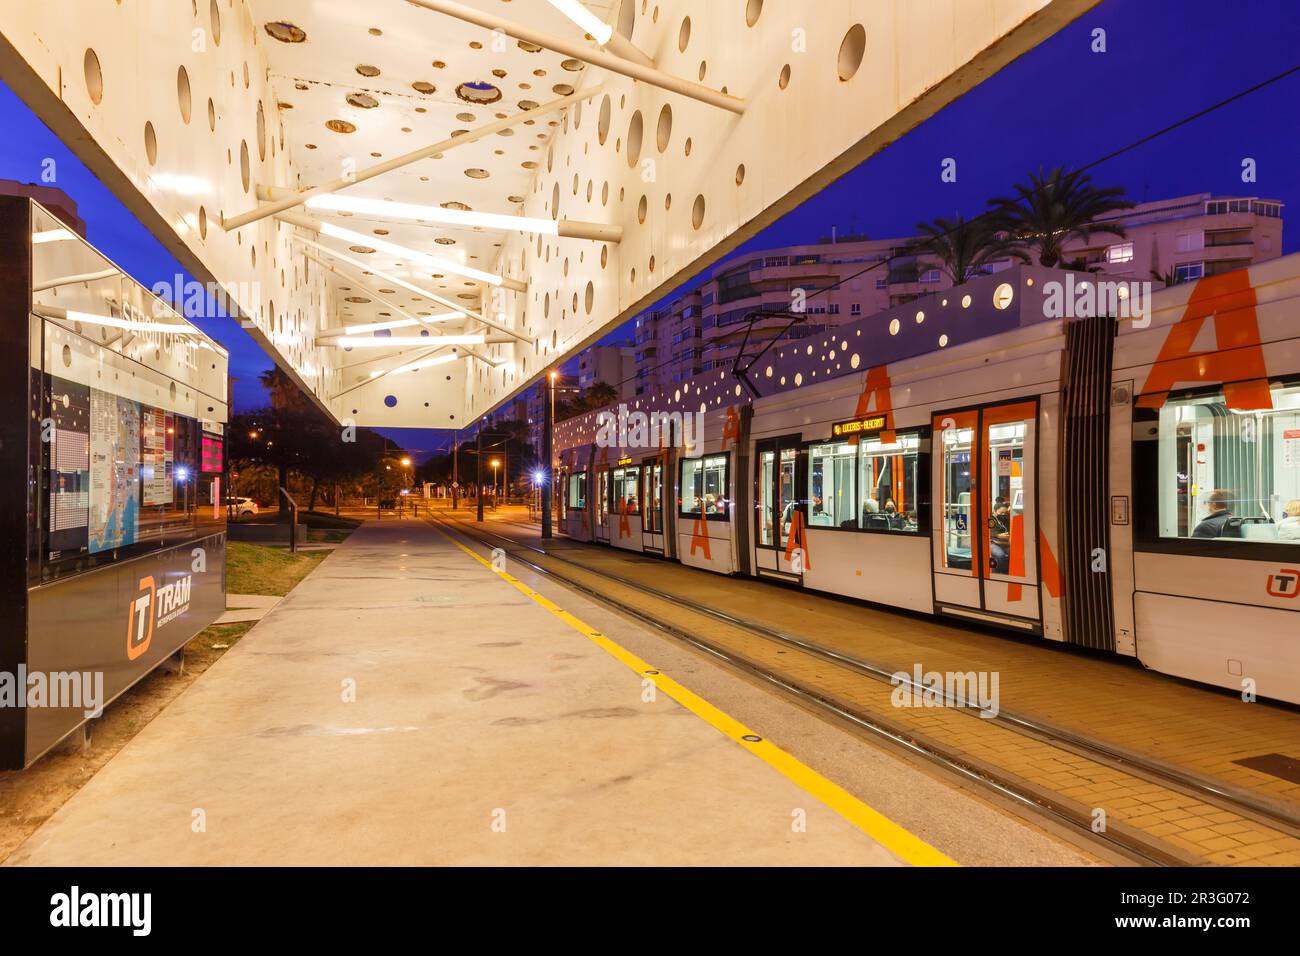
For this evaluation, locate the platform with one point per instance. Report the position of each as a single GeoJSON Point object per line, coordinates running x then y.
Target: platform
{"type": "Point", "coordinates": [408, 705]}
{"type": "Point", "coordinates": [1234, 797]}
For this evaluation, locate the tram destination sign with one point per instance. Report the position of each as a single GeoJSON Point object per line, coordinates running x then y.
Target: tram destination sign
{"type": "Point", "coordinates": [871, 425]}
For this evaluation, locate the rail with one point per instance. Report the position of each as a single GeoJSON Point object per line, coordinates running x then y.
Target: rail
{"type": "Point", "coordinates": [1131, 844]}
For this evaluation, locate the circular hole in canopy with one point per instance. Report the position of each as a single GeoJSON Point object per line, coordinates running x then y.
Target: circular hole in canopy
{"type": "Point", "coordinates": [478, 92]}
{"type": "Point", "coordinates": [852, 48]}
{"type": "Point", "coordinates": [94, 77]}
{"type": "Point", "coordinates": [664, 131]}
{"type": "Point", "coordinates": [183, 96]}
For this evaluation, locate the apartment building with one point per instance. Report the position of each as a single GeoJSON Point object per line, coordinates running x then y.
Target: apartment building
{"type": "Point", "coordinates": [615, 365]}
{"type": "Point", "coordinates": [1183, 239]}
{"type": "Point", "coordinates": [1166, 242]}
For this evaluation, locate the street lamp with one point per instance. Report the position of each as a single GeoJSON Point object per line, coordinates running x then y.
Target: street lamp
{"type": "Point", "coordinates": [406, 484]}
{"type": "Point", "coordinates": [496, 463]}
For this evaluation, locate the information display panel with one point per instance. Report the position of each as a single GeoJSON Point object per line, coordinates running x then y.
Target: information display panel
{"type": "Point", "coordinates": [112, 436]}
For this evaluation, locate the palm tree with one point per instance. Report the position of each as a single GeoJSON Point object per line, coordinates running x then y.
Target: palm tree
{"type": "Point", "coordinates": [1054, 208]}
{"type": "Point", "coordinates": [964, 247]}
{"type": "Point", "coordinates": [284, 392]}
{"type": "Point", "coordinates": [600, 394]}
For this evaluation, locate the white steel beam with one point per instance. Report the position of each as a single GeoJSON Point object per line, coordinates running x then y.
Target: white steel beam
{"type": "Point", "coordinates": [387, 209]}
{"type": "Point", "coordinates": [600, 31]}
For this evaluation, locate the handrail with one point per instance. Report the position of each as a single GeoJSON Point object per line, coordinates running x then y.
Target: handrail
{"type": "Point", "coordinates": [293, 519]}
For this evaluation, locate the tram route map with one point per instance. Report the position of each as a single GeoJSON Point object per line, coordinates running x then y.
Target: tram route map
{"type": "Point", "coordinates": [114, 470]}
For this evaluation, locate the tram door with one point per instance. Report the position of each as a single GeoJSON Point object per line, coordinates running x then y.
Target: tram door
{"type": "Point", "coordinates": [780, 516]}
{"type": "Point", "coordinates": [985, 528]}
{"type": "Point", "coordinates": [602, 505]}
{"type": "Point", "coordinates": [652, 499]}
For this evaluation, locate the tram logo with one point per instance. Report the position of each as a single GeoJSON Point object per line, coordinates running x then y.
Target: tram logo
{"type": "Point", "coordinates": [154, 607]}
{"type": "Point", "coordinates": [1284, 583]}
{"type": "Point", "coordinates": [139, 620]}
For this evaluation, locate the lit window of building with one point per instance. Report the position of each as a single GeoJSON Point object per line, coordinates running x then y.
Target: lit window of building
{"type": "Point", "coordinates": [1120, 252]}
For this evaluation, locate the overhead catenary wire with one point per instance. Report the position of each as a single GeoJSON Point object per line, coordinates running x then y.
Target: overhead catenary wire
{"type": "Point", "coordinates": [888, 260]}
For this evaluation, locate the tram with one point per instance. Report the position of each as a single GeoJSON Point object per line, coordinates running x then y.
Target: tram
{"type": "Point", "coordinates": [1059, 454]}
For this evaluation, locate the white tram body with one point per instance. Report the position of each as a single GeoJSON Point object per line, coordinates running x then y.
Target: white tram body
{"type": "Point", "coordinates": [1059, 454]}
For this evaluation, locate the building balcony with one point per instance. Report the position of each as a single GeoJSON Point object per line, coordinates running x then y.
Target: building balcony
{"type": "Point", "coordinates": [1232, 240]}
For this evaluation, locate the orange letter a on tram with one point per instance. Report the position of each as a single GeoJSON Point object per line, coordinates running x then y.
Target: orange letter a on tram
{"type": "Point", "coordinates": [1239, 359]}
{"type": "Point", "coordinates": [877, 387]}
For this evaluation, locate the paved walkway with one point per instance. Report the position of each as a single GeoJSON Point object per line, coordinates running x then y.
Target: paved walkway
{"type": "Point", "coordinates": [406, 705]}
{"type": "Point", "coordinates": [246, 608]}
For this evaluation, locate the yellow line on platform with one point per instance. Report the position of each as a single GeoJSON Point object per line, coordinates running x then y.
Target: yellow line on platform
{"type": "Point", "coordinates": [890, 835]}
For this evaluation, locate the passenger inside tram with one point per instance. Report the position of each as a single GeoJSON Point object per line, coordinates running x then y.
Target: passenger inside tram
{"type": "Point", "coordinates": [1000, 537]}
{"type": "Point", "coordinates": [896, 521]}
{"type": "Point", "coordinates": [1221, 522]}
{"type": "Point", "coordinates": [872, 519]}
{"type": "Point", "coordinates": [1288, 529]}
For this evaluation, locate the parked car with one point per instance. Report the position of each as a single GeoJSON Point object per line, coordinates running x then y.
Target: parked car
{"type": "Point", "coordinates": [241, 508]}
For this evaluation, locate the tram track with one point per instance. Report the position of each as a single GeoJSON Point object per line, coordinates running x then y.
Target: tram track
{"type": "Point", "coordinates": [1229, 797]}
{"type": "Point", "coordinates": [857, 710]}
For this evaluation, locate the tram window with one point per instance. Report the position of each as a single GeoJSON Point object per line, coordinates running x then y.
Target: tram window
{"type": "Point", "coordinates": [832, 499]}
{"type": "Point", "coordinates": [871, 486]}
{"type": "Point", "coordinates": [704, 488]}
{"type": "Point", "coordinates": [890, 484]}
{"type": "Point", "coordinates": [625, 491]}
{"type": "Point", "coordinates": [1228, 474]}
{"type": "Point", "coordinates": [958, 506]}
{"type": "Point", "coordinates": [1006, 493]}
{"type": "Point", "coordinates": [653, 497]}
{"type": "Point", "coordinates": [766, 510]}
{"type": "Point", "coordinates": [578, 491]}
{"type": "Point", "coordinates": [787, 503]}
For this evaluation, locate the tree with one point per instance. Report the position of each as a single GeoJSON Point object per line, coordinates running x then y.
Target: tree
{"type": "Point", "coordinates": [283, 390]}
{"type": "Point", "coordinates": [597, 396]}
{"type": "Point", "coordinates": [965, 247]}
{"type": "Point", "coordinates": [600, 394]}
{"type": "Point", "coordinates": [1055, 208]}
{"type": "Point", "coordinates": [294, 437]}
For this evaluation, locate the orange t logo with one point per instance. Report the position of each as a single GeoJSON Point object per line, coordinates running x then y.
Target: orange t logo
{"type": "Point", "coordinates": [139, 620]}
